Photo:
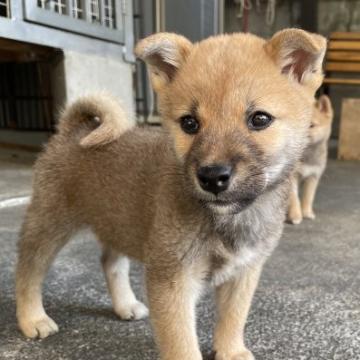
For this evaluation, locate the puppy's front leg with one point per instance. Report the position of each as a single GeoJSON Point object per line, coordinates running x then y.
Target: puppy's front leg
{"type": "Point", "coordinates": [172, 310]}
{"type": "Point", "coordinates": [233, 302]}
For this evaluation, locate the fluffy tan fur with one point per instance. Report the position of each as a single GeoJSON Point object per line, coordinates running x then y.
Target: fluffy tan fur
{"type": "Point", "coordinates": [313, 163]}
{"type": "Point", "coordinates": [138, 188]}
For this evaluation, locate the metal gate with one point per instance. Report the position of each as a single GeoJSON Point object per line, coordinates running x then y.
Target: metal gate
{"type": "Point", "coordinates": [25, 96]}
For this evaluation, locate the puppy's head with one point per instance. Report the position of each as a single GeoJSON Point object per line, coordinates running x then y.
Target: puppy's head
{"type": "Point", "coordinates": [237, 107]}
{"type": "Point", "coordinates": [320, 127]}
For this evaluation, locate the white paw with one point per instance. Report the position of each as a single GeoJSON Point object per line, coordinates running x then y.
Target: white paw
{"type": "Point", "coordinates": [246, 355]}
{"type": "Point", "coordinates": [38, 328]}
{"type": "Point", "coordinates": [134, 311]}
{"type": "Point", "coordinates": [309, 215]}
{"type": "Point", "coordinates": [242, 355]}
{"type": "Point", "coordinates": [295, 220]}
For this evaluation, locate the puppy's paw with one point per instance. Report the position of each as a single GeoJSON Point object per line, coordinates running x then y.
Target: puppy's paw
{"type": "Point", "coordinates": [294, 215]}
{"type": "Point", "coordinates": [295, 220]}
{"type": "Point", "coordinates": [38, 328]}
{"type": "Point", "coordinates": [133, 311]}
{"type": "Point", "coordinates": [242, 355]}
{"type": "Point", "coordinates": [309, 214]}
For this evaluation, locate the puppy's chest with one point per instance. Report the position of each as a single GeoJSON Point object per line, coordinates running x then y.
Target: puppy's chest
{"type": "Point", "coordinates": [223, 265]}
{"type": "Point", "coordinates": [313, 162]}
{"type": "Point", "coordinates": [233, 243]}
{"type": "Point", "coordinates": [305, 170]}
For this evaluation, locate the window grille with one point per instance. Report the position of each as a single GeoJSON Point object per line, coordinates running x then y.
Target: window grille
{"type": "Point", "coordinates": [78, 9]}
{"type": "Point", "coordinates": [109, 14]}
{"type": "Point", "coordinates": [25, 96]}
{"type": "Point", "coordinates": [98, 18]}
{"type": "Point", "coordinates": [100, 11]}
{"type": "Point", "coordinates": [5, 8]}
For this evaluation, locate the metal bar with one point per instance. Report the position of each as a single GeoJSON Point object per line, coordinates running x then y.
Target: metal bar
{"type": "Point", "coordinates": [51, 3]}
{"type": "Point", "coordinates": [95, 11]}
{"type": "Point", "coordinates": [88, 11]}
{"type": "Point", "coordinates": [160, 15]}
{"type": "Point", "coordinates": [220, 16]}
{"type": "Point", "coordinates": [108, 13]}
{"type": "Point", "coordinates": [22, 118]}
{"type": "Point", "coordinates": [2, 100]}
{"type": "Point", "coordinates": [129, 33]}
{"type": "Point", "coordinates": [119, 9]}
{"type": "Point", "coordinates": [68, 4]}
{"type": "Point", "coordinates": [101, 12]}
{"type": "Point", "coordinates": [7, 4]}
{"type": "Point", "coordinates": [33, 90]}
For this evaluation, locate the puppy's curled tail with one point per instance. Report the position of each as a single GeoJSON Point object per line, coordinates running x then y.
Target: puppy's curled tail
{"type": "Point", "coordinates": [98, 118]}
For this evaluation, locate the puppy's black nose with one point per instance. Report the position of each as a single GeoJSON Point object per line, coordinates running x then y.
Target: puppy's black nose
{"type": "Point", "coordinates": [214, 178]}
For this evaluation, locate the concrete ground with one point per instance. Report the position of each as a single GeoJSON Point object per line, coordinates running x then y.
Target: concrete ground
{"type": "Point", "coordinates": [307, 306]}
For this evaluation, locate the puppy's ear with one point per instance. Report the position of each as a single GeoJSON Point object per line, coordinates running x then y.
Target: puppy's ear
{"type": "Point", "coordinates": [324, 105]}
{"type": "Point", "coordinates": [164, 53]}
{"type": "Point", "coordinates": [299, 54]}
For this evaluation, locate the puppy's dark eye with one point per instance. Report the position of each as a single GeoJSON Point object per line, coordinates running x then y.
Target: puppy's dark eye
{"type": "Point", "coordinates": [259, 120]}
{"type": "Point", "coordinates": [189, 124]}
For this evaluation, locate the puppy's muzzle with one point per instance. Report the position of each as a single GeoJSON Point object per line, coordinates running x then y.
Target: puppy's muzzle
{"type": "Point", "coordinates": [214, 178]}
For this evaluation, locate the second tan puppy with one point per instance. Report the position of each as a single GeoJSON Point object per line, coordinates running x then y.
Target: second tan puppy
{"type": "Point", "coordinates": [312, 164]}
{"type": "Point", "coordinates": [200, 202]}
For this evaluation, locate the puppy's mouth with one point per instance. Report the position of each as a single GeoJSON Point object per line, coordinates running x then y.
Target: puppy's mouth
{"type": "Point", "coordinates": [228, 206]}
{"type": "Point", "coordinates": [221, 202]}
{"type": "Point", "coordinates": [239, 195]}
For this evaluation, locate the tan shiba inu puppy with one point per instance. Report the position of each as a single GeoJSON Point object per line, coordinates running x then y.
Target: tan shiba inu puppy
{"type": "Point", "coordinates": [312, 164]}
{"type": "Point", "coordinates": [201, 201]}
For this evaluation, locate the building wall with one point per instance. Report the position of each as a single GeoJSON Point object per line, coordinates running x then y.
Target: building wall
{"type": "Point", "coordinates": [86, 73]}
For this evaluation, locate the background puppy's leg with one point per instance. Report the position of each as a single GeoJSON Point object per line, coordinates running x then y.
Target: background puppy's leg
{"type": "Point", "coordinates": [310, 186]}
{"type": "Point", "coordinates": [42, 238]}
{"type": "Point", "coordinates": [233, 303]}
{"type": "Point", "coordinates": [294, 212]}
{"type": "Point", "coordinates": [116, 268]}
{"type": "Point", "coordinates": [172, 310]}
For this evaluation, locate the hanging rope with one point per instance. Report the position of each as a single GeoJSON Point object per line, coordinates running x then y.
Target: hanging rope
{"type": "Point", "coordinates": [247, 5]}
{"type": "Point", "coordinates": [270, 12]}
{"type": "Point", "coordinates": [244, 5]}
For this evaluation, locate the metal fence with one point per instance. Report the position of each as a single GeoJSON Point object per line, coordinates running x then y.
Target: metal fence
{"type": "Point", "coordinates": [25, 96]}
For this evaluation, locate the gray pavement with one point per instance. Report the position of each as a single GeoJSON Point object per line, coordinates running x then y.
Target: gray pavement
{"type": "Point", "coordinates": [307, 306]}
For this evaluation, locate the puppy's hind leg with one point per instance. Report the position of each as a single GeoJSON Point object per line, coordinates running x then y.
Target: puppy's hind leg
{"type": "Point", "coordinates": [116, 268]}
{"type": "Point", "coordinates": [310, 186]}
{"type": "Point", "coordinates": [294, 215]}
{"type": "Point", "coordinates": [42, 237]}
